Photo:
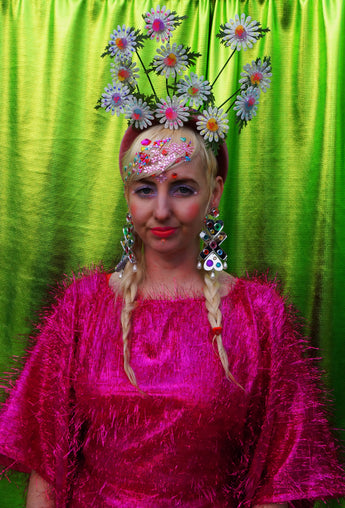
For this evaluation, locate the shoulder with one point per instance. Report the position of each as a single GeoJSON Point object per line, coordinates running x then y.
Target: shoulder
{"type": "Point", "coordinates": [259, 290]}
{"type": "Point", "coordinates": [73, 289]}
{"type": "Point", "coordinates": [260, 299]}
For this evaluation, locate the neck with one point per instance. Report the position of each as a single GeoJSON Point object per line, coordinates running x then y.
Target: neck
{"type": "Point", "coordinates": [172, 273]}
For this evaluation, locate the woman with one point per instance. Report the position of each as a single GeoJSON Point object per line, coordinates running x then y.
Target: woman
{"type": "Point", "coordinates": [163, 385]}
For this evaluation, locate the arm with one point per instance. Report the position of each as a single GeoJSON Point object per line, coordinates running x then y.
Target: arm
{"type": "Point", "coordinates": [39, 493]}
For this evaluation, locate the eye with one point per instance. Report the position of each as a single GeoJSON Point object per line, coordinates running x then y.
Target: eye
{"type": "Point", "coordinates": [144, 190]}
{"type": "Point", "coordinates": [183, 190]}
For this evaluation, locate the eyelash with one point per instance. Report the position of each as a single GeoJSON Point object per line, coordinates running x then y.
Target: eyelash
{"type": "Point", "coordinates": [141, 191]}
{"type": "Point", "coordinates": [178, 189]}
{"type": "Point", "coordinates": [190, 190]}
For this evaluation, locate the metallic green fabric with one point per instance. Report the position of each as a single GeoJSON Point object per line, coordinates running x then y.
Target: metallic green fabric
{"type": "Point", "coordinates": [61, 197]}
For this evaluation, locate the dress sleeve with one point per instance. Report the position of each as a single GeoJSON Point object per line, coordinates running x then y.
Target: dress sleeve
{"type": "Point", "coordinates": [36, 420]}
{"type": "Point", "coordinates": [296, 456]}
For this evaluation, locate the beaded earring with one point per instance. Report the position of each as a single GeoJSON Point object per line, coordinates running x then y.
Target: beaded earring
{"type": "Point", "coordinates": [127, 243]}
{"type": "Point", "coordinates": [212, 258]}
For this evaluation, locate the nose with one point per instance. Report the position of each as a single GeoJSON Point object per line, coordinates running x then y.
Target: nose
{"type": "Point", "coordinates": [162, 210]}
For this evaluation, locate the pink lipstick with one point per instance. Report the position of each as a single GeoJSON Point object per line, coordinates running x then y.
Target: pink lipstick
{"type": "Point", "coordinates": [163, 232]}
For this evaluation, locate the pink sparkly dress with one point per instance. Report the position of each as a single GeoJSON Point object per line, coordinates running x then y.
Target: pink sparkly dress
{"type": "Point", "coordinates": [195, 439]}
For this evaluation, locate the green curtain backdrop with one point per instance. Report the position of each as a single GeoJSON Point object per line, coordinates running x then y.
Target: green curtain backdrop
{"type": "Point", "coordinates": [61, 197]}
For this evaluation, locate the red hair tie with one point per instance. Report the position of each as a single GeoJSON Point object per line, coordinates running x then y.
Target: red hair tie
{"type": "Point", "coordinates": [217, 330]}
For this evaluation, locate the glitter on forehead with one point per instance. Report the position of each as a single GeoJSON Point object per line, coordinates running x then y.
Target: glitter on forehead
{"type": "Point", "coordinates": [158, 156]}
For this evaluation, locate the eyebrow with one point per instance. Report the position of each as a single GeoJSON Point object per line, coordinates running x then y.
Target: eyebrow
{"type": "Point", "coordinates": [185, 180]}
{"type": "Point", "coordinates": [152, 181]}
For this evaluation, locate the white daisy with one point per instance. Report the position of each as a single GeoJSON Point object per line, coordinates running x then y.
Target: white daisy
{"type": "Point", "coordinates": [247, 103]}
{"type": "Point", "coordinates": [115, 98]}
{"type": "Point", "coordinates": [213, 124]}
{"type": "Point", "coordinates": [194, 89]}
{"type": "Point", "coordinates": [171, 60]}
{"type": "Point", "coordinates": [258, 74]}
{"type": "Point", "coordinates": [160, 23]}
{"type": "Point", "coordinates": [122, 43]}
{"type": "Point", "coordinates": [138, 113]}
{"type": "Point", "coordinates": [240, 33]}
{"type": "Point", "coordinates": [125, 73]}
{"type": "Point", "coordinates": [172, 112]}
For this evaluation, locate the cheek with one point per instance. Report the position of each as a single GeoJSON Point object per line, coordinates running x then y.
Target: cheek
{"type": "Point", "coordinates": [194, 211]}
{"type": "Point", "coordinates": [133, 209]}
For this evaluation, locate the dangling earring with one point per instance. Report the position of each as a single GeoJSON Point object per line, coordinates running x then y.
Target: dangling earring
{"type": "Point", "coordinates": [212, 258]}
{"type": "Point", "coordinates": [127, 243]}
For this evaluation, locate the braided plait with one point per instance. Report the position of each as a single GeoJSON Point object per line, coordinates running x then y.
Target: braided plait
{"type": "Point", "coordinates": [129, 287]}
{"type": "Point", "coordinates": [212, 303]}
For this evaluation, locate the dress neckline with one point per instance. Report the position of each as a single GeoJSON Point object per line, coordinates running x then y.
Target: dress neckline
{"type": "Point", "coordinates": [176, 296]}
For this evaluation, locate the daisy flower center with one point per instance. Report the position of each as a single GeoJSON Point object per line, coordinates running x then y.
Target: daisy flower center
{"type": "Point", "coordinates": [171, 114]}
{"type": "Point", "coordinates": [116, 98]}
{"type": "Point", "coordinates": [193, 90]}
{"type": "Point", "coordinates": [123, 74]}
{"type": "Point", "coordinates": [212, 124]}
{"type": "Point", "coordinates": [158, 25]}
{"type": "Point", "coordinates": [121, 43]}
{"type": "Point", "coordinates": [250, 103]}
{"type": "Point", "coordinates": [170, 60]}
{"type": "Point", "coordinates": [240, 32]}
{"type": "Point", "coordinates": [256, 77]}
{"type": "Point", "coordinates": [137, 114]}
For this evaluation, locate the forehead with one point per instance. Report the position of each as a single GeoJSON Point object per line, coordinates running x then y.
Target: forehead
{"type": "Point", "coordinates": [157, 156]}
{"type": "Point", "coordinates": [186, 170]}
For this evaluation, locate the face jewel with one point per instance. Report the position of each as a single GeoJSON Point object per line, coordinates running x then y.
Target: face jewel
{"type": "Point", "coordinates": [160, 155]}
{"type": "Point", "coordinates": [145, 142]}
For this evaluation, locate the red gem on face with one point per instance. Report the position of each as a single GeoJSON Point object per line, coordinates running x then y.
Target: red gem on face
{"type": "Point", "coordinates": [146, 142]}
{"type": "Point", "coordinates": [174, 175]}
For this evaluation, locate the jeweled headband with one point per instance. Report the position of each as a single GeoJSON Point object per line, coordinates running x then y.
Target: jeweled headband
{"type": "Point", "coordinates": [187, 95]}
{"type": "Point", "coordinates": [157, 156]}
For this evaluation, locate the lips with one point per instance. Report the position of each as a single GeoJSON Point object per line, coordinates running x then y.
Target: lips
{"type": "Point", "coordinates": [163, 232]}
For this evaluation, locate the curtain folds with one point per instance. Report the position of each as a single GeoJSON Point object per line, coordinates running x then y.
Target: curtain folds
{"type": "Point", "coordinates": [61, 196]}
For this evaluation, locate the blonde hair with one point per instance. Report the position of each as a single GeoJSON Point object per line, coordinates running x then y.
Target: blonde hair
{"type": "Point", "coordinates": [207, 157]}
{"type": "Point", "coordinates": [130, 281]}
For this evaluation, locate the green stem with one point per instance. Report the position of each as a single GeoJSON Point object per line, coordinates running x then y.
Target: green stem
{"type": "Point", "coordinates": [221, 70]}
{"type": "Point", "coordinates": [230, 106]}
{"type": "Point", "coordinates": [227, 100]}
{"type": "Point", "coordinates": [148, 77]}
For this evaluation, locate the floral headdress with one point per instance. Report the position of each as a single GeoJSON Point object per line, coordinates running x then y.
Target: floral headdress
{"type": "Point", "coordinates": [187, 95]}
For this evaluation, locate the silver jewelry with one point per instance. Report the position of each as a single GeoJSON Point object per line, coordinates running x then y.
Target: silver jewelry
{"type": "Point", "coordinates": [212, 258]}
{"type": "Point", "coordinates": [127, 244]}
